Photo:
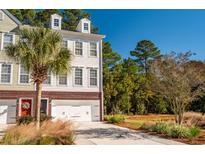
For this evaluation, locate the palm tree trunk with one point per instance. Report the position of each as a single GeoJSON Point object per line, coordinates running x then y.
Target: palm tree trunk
{"type": "Point", "coordinates": [38, 91]}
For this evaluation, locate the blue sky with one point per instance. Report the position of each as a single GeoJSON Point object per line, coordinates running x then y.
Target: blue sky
{"type": "Point", "coordinates": [170, 30]}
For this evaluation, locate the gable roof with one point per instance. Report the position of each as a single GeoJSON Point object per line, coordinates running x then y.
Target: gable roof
{"type": "Point", "coordinates": [11, 16]}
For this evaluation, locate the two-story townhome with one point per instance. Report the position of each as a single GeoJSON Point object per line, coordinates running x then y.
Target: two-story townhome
{"type": "Point", "coordinates": [76, 95]}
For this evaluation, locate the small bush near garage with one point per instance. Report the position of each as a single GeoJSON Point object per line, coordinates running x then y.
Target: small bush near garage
{"type": "Point", "coordinates": [24, 120]}
{"type": "Point", "coordinates": [116, 119]}
{"type": "Point", "coordinates": [29, 119]}
{"type": "Point", "coordinates": [50, 133]}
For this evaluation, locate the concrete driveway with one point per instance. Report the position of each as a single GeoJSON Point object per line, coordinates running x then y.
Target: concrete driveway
{"type": "Point", "coordinates": [97, 133]}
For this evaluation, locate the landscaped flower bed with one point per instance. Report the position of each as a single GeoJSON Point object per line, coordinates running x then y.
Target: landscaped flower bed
{"type": "Point", "coordinates": [52, 133]}
{"type": "Point", "coordinates": [157, 125]}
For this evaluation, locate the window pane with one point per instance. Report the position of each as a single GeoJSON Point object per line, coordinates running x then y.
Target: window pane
{"type": "Point", "coordinates": [5, 73]}
{"type": "Point", "coordinates": [93, 77]}
{"type": "Point", "coordinates": [24, 75]}
{"type": "Point", "coordinates": [56, 22]}
{"type": "Point", "coordinates": [5, 78]}
{"type": "Point", "coordinates": [78, 76]}
{"type": "Point", "coordinates": [8, 39]}
{"type": "Point", "coordinates": [24, 79]}
{"type": "Point", "coordinates": [62, 79]}
{"type": "Point", "coordinates": [5, 68]}
{"type": "Point", "coordinates": [78, 48]}
{"type": "Point", "coordinates": [93, 49]}
{"type": "Point", "coordinates": [85, 26]}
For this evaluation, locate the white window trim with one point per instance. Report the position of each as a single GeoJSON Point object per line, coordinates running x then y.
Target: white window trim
{"type": "Point", "coordinates": [47, 99]}
{"type": "Point", "coordinates": [93, 86]}
{"type": "Point", "coordinates": [2, 39]}
{"type": "Point", "coordinates": [11, 77]}
{"type": "Point", "coordinates": [19, 105]}
{"type": "Point", "coordinates": [82, 48]}
{"type": "Point", "coordinates": [62, 85]}
{"type": "Point", "coordinates": [76, 85]}
{"type": "Point", "coordinates": [19, 73]}
{"type": "Point", "coordinates": [89, 55]}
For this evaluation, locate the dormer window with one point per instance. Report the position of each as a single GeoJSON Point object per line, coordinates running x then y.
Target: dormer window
{"type": "Point", "coordinates": [85, 26]}
{"type": "Point", "coordinates": [56, 22]}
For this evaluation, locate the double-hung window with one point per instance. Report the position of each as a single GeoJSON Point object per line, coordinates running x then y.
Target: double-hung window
{"type": "Point", "coordinates": [78, 76]}
{"type": "Point", "coordinates": [48, 80]}
{"type": "Point", "coordinates": [93, 77]}
{"type": "Point", "coordinates": [93, 49]}
{"type": "Point", "coordinates": [6, 73]}
{"type": "Point", "coordinates": [79, 48]}
{"type": "Point", "coordinates": [24, 75]}
{"type": "Point", "coordinates": [85, 26]}
{"type": "Point", "coordinates": [62, 79]}
{"type": "Point", "coordinates": [56, 22]}
{"type": "Point", "coordinates": [8, 39]}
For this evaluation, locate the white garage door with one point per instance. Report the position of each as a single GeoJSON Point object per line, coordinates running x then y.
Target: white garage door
{"type": "Point", "coordinates": [75, 113]}
{"type": "Point", "coordinates": [7, 111]}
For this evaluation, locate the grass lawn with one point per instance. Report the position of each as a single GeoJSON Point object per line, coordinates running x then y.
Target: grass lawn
{"type": "Point", "coordinates": [135, 122]}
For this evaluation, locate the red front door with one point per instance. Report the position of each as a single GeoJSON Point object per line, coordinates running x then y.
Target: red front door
{"type": "Point", "coordinates": [26, 107]}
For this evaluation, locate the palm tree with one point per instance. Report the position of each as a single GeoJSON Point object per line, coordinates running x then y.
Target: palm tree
{"type": "Point", "coordinates": [40, 50]}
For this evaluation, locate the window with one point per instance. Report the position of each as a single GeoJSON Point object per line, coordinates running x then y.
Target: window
{"type": "Point", "coordinates": [78, 48]}
{"type": "Point", "coordinates": [93, 49]}
{"type": "Point", "coordinates": [56, 22]}
{"type": "Point", "coordinates": [65, 44]}
{"type": "Point", "coordinates": [44, 106]}
{"type": "Point", "coordinates": [85, 26]}
{"type": "Point", "coordinates": [62, 79]}
{"type": "Point", "coordinates": [8, 39]}
{"type": "Point", "coordinates": [93, 77]}
{"type": "Point", "coordinates": [1, 16]}
{"type": "Point", "coordinates": [48, 80]}
{"type": "Point", "coordinates": [6, 73]}
{"type": "Point", "coordinates": [24, 75]}
{"type": "Point", "coordinates": [78, 76]}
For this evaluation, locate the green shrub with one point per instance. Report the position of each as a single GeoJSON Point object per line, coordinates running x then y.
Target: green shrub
{"type": "Point", "coordinates": [163, 128]}
{"type": "Point", "coordinates": [194, 131]}
{"type": "Point", "coordinates": [141, 109]}
{"type": "Point", "coordinates": [29, 119]}
{"type": "Point", "coordinates": [115, 119]}
{"type": "Point", "coordinates": [25, 120]}
{"type": "Point", "coordinates": [178, 131]}
{"type": "Point", "coordinates": [50, 133]}
{"type": "Point", "coordinates": [173, 130]}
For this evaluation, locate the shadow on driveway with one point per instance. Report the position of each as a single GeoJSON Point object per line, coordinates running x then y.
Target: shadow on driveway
{"type": "Point", "coordinates": [114, 133]}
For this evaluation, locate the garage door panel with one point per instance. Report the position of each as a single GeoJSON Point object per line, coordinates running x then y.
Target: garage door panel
{"type": "Point", "coordinates": [7, 111]}
{"type": "Point", "coordinates": [75, 113]}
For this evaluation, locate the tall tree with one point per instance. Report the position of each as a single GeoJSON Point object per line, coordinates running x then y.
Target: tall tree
{"type": "Point", "coordinates": [110, 59]}
{"type": "Point", "coordinates": [71, 17]}
{"type": "Point", "coordinates": [180, 81]}
{"type": "Point", "coordinates": [145, 51]}
{"type": "Point", "coordinates": [40, 50]}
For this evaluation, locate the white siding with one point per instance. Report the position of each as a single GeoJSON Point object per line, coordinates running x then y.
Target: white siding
{"type": "Point", "coordinates": [85, 62]}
